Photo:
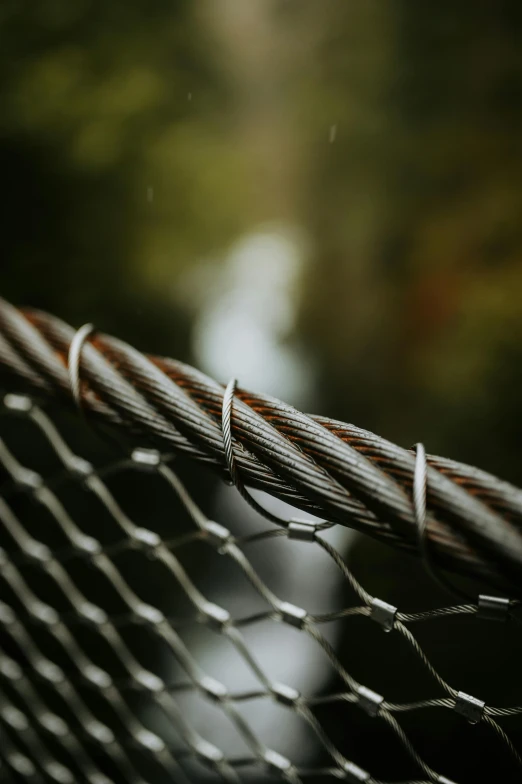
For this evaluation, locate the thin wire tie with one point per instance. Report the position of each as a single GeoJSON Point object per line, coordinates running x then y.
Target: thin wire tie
{"type": "Point", "coordinates": [420, 484]}
{"type": "Point", "coordinates": [226, 423]}
{"type": "Point", "coordinates": [74, 361]}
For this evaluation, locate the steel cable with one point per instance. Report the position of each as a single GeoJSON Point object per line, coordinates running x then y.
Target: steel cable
{"type": "Point", "coordinates": [332, 469]}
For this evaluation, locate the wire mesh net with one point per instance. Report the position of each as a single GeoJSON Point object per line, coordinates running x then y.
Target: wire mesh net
{"type": "Point", "coordinates": [142, 641]}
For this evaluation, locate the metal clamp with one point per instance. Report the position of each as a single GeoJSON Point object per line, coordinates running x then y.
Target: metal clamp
{"type": "Point", "coordinates": [97, 676]}
{"type": "Point", "coordinates": [92, 614]}
{"type": "Point", "coordinates": [207, 752]}
{"type": "Point", "coordinates": [369, 700]}
{"type": "Point", "coordinates": [469, 707]}
{"type": "Point", "coordinates": [21, 404]}
{"type": "Point", "coordinates": [216, 617]}
{"type": "Point", "coordinates": [383, 614]}
{"type": "Point", "coordinates": [149, 614]}
{"type": "Point", "coordinates": [276, 761]}
{"type": "Point", "coordinates": [212, 688]}
{"type": "Point", "coordinates": [44, 613]}
{"type": "Point", "coordinates": [293, 615]}
{"type": "Point", "coordinates": [217, 534]}
{"type": "Point", "coordinates": [148, 681]}
{"type": "Point", "coordinates": [286, 695]}
{"type": "Point", "coordinates": [28, 480]}
{"type": "Point", "coordinates": [150, 741]}
{"type": "Point", "coordinates": [142, 537]}
{"type": "Point", "coordinates": [7, 615]}
{"type": "Point", "coordinates": [37, 551]}
{"type": "Point", "coordinates": [355, 774]}
{"type": "Point", "coordinates": [87, 545]}
{"type": "Point", "coordinates": [493, 608]}
{"type": "Point", "coordinates": [49, 671]}
{"type": "Point", "coordinates": [147, 459]}
{"type": "Point", "coordinates": [100, 732]}
{"type": "Point", "coordinates": [301, 531]}
{"type": "Point", "coordinates": [80, 468]}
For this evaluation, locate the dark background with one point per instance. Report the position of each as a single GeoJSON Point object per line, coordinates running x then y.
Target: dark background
{"type": "Point", "coordinates": [323, 199]}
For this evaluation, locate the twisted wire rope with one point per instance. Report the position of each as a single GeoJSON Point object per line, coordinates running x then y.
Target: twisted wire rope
{"type": "Point", "coordinates": [332, 469]}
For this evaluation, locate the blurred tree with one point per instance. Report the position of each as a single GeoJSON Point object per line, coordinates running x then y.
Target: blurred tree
{"type": "Point", "coordinates": [413, 303]}
{"type": "Point", "coordinates": [114, 165]}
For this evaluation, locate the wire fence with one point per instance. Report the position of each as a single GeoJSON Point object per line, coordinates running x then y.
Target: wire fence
{"type": "Point", "coordinates": [141, 641]}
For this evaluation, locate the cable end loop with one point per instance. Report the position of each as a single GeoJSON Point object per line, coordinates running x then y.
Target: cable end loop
{"type": "Point", "coordinates": [74, 361]}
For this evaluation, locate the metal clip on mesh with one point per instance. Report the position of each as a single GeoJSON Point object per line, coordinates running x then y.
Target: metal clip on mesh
{"type": "Point", "coordinates": [216, 616]}
{"type": "Point", "coordinates": [383, 614]}
{"type": "Point", "coordinates": [216, 534]}
{"type": "Point", "coordinates": [469, 707]}
{"type": "Point", "coordinates": [277, 761]}
{"type": "Point", "coordinates": [369, 700]}
{"type": "Point", "coordinates": [286, 695]}
{"type": "Point", "coordinates": [354, 774]}
{"type": "Point", "coordinates": [146, 459]}
{"type": "Point", "coordinates": [20, 404]}
{"type": "Point", "coordinates": [493, 608]}
{"type": "Point", "coordinates": [301, 530]}
{"type": "Point", "coordinates": [293, 615]}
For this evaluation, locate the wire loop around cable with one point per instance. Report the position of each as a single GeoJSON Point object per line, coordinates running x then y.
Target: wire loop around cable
{"type": "Point", "coordinates": [420, 485]}
{"type": "Point", "coordinates": [226, 424]}
{"type": "Point", "coordinates": [74, 361]}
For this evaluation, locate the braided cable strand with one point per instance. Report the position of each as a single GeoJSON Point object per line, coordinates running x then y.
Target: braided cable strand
{"type": "Point", "coordinates": [332, 469]}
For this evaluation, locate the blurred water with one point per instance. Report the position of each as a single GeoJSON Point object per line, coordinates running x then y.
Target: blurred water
{"type": "Point", "coordinates": [248, 313]}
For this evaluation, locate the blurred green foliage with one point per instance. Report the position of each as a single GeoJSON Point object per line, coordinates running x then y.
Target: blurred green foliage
{"type": "Point", "coordinates": [139, 138]}
{"type": "Point", "coordinates": [113, 160]}
{"type": "Point", "coordinates": [414, 302]}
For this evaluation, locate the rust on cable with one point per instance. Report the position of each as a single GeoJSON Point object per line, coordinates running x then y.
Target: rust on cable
{"type": "Point", "coordinates": [334, 470]}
